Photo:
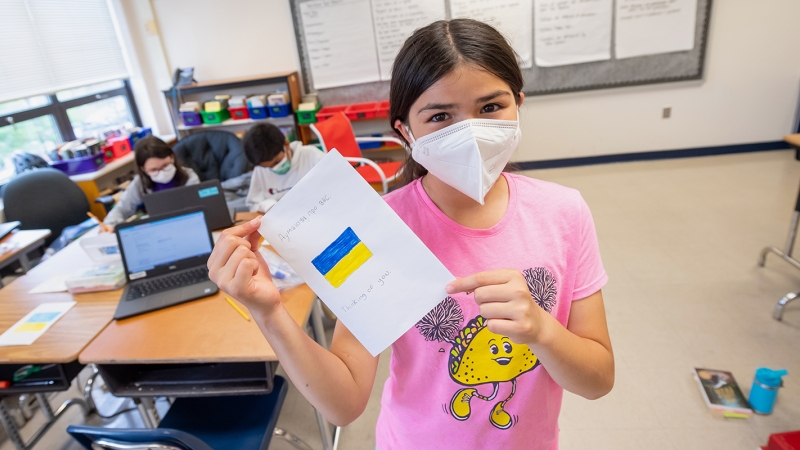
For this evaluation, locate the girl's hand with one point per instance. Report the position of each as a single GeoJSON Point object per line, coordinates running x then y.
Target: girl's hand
{"type": "Point", "coordinates": [238, 268]}
{"type": "Point", "coordinates": [506, 303]}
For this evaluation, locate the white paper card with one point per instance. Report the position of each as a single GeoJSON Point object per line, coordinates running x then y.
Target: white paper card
{"type": "Point", "coordinates": [650, 27]}
{"type": "Point", "coordinates": [571, 32]}
{"type": "Point", "coordinates": [55, 283]}
{"type": "Point", "coordinates": [34, 324]}
{"type": "Point", "coordinates": [340, 42]}
{"type": "Point", "coordinates": [513, 18]}
{"type": "Point", "coordinates": [356, 253]}
{"type": "Point", "coordinates": [395, 20]}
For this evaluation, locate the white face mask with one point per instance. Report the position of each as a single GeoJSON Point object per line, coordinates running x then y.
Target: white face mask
{"type": "Point", "coordinates": [469, 155]}
{"type": "Point", "coordinates": [164, 175]}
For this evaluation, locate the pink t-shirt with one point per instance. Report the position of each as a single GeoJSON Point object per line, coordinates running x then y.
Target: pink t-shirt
{"type": "Point", "coordinates": [455, 385]}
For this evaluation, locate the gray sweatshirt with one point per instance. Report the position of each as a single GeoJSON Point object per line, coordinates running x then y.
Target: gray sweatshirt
{"type": "Point", "coordinates": [132, 198]}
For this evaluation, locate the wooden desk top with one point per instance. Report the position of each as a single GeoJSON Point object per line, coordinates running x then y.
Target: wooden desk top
{"type": "Point", "coordinates": [63, 341]}
{"type": "Point", "coordinates": [793, 139]}
{"type": "Point", "coordinates": [21, 240]}
{"type": "Point", "coordinates": [207, 330]}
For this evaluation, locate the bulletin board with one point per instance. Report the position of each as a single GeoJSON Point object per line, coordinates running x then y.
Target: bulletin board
{"type": "Point", "coordinates": [610, 73]}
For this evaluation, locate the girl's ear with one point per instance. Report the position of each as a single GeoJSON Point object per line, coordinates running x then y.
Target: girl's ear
{"type": "Point", "coordinates": [521, 99]}
{"type": "Point", "coordinates": [401, 129]}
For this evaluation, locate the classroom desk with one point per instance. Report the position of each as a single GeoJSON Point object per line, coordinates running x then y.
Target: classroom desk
{"type": "Point", "coordinates": [183, 341]}
{"type": "Point", "coordinates": [61, 344]}
{"type": "Point", "coordinates": [93, 182]}
{"type": "Point", "coordinates": [21, 242]}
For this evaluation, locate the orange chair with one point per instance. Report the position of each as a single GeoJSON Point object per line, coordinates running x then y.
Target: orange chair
{"type": "Point", "coordinates": [337, 132]}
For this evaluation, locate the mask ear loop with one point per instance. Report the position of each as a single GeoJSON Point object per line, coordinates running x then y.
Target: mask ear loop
{"type": "Point", "coordinates": [410, 134]}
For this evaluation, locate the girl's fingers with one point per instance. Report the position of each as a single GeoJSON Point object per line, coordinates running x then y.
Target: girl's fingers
{"type": "Point", "coordinates": [497, 310]}
{"type": "Point", "coordinates": [223, 250]}
{"type": "Point", "coordinates": [244, 275]}
{"type": "Point", "coordinates": [227, 271]}
{"type": "Point", "coordinates": [503, 327]}
{"type": "Point", "coordinates": [476, 280]}
{"type": "Point", "coordinates": [492, 293]}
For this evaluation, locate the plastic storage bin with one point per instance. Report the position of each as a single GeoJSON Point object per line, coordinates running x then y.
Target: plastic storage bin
{"type": "Point", "coordinates": [308, 116]}
{"type": "Point", "coordinates": [103, 278]}
{"type": "Point", "coordinates": [328, 111]}
{"type": "Point", "coordinates": [383, 109]}
{"type": "Point", "coordinates": [84, 164]}
{"type": "Point", "coordinates": [260, 112]}
{"type": "Point", "coordinates": [216, 117]}
{"type": "Point", "coordinates": [360, 111]}
{"type": "Point", "coordinates": [279, 110]}
{"type": "Point", "coordinates": [370, 145]}
{"type": "Point", "coordinates": [239, 112]}
{"type": "Point", "coordinates": [139, 134]}
{"type": "Point", "coordinates": [191, 119]}
{"type": "Point", "coordinates": [120, 146]}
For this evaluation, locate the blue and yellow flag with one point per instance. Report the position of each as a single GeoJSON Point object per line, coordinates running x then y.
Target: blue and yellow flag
{"type": "Point", "coordinates": [343, 257]}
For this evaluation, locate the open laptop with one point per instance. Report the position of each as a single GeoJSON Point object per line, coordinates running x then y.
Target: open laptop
{"type": "Point", "coordinates": [208, 195]}
{"type": "Point", "coordinates": [165, 261]}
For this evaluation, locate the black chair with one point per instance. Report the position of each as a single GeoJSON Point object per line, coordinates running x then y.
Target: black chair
{"type": "Point", "coordinates": [212, 155]}
{"type": "Point", "coordinates": [242, 422]}
{"type": "Point", "coordinates": [45, 199]}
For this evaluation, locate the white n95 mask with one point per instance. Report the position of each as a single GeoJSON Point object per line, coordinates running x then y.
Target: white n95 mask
{"type": "Point", "coordinates": [469, 155]}
{"type": "Point", "coordinates": [164, 175]}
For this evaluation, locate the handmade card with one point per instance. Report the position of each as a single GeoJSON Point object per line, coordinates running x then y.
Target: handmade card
{"type": "Point", "coordinates": [34, 324]}
{"type": "Point", "coordinates": [358, 256]}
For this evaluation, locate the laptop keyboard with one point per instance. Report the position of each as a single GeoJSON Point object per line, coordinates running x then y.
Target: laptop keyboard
{"type": "Point", "coordinates": [149, 287]}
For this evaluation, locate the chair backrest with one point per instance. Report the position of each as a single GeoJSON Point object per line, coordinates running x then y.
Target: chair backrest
{"type": "Point", "coordinates": [212, 154]}
{"type": "Point", "coordinates": [117, 438]}
{"type": "Point", "coordinates": [45, 199]}
{"type": "Point", "coordinates": [337, 132]}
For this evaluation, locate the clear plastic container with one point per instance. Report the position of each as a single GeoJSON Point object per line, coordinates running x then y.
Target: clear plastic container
{"type": "Point", "coordinates": [102, 278]}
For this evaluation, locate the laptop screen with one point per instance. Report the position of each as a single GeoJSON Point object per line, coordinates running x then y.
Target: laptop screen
{"type": "Point", "coordinates": [164, 242]}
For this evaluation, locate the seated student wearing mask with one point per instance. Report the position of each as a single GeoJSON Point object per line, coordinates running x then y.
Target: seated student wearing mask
{"type": "Point", "coordinates": [279, 164]}
{"type": "Point", "coordinates": [157, 169]}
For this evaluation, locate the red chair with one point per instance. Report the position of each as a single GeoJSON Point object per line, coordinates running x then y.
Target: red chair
{"type": "Point", "coordinates": [337, 132]}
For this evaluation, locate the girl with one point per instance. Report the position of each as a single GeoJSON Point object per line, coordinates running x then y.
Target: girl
{"type": "Point", "coordinates": [524, 320]}
{"type": "Point", "coordinates": [157, 169]}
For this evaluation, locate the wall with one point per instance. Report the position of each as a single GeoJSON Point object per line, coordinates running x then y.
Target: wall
{"type": "Point", "coordinates": [749, 93]}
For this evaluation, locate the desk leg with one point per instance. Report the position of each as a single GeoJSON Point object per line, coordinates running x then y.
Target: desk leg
{"type": "Point", "coordinates": [329, 441]}
{"type": "Point", "coordinates": [147, 409]}
{"type": "Point", "coordinates": [11, 426]}
{"type": "Point", "coordinates": [24, 262]}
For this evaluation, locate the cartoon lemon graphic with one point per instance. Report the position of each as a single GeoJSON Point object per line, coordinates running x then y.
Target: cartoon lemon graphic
{"type": "Point", "coordinates": [480, 357]}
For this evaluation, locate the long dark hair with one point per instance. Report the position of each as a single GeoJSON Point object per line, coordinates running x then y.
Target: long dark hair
{"type": "Point", "coordinates": [434, 51]}
{"type": "Point", "coordinates": [153, 147]}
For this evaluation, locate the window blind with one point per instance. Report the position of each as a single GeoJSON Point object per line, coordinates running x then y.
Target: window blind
{"type": "Point", "coordinates": [50, 45]}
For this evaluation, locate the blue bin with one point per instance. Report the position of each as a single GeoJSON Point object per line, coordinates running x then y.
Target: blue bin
{"type": "Point", "coordinates": [258, 113]}
{"type": "Point", "coordinates": [279, 110]}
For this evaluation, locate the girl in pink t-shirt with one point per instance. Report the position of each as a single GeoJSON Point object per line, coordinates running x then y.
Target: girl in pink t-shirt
{"type": "Point", "coordinates": [525, 317]}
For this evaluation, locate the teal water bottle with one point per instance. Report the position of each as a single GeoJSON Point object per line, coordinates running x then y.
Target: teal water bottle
{"type": "Point", "coordinates": [765, 389]}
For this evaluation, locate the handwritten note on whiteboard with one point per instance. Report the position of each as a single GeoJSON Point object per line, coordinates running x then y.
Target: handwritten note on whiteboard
{"type": "Point", "coordinates": [650, 27]}
{"type": "Point", "coordinates": [395, 20]}
{"type": "Point", "coordinates": [340, 41]}
{"type": "Point", "coordinates": [357, 255]}
{"type": "Point", "coordinates": [571, 32]}
{"type": "Point", "coordinates": [513, 18]}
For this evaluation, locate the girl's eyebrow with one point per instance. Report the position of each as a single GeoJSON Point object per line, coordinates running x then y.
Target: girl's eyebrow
{"type": "Point", "coordinates": [492, 96]}
{"type": "Point", "coordinates": [437, 106]}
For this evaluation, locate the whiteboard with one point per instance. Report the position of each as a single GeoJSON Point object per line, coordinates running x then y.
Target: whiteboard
{"type": "Point", "coordinates": [610, 73]}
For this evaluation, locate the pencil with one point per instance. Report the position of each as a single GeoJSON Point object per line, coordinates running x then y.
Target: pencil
{"type": "Point", "coordinates": [103, 226]}
{"type": "Point", "coordinates": [239, 310]}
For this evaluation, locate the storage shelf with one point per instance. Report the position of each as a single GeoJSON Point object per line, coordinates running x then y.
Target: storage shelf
{"type": "Point", "coordinates": [277, 121]}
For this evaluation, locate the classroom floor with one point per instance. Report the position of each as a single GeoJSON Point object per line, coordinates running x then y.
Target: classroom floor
{"type": "Point", "coordinates": [680, 240]}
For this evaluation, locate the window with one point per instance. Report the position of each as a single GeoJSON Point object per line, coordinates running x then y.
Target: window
{"type": "Point", "coordinates": [40, 123]}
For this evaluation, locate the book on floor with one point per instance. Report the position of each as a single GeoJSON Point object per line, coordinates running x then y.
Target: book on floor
{"type": "Point", "coordinates": [721, 393]}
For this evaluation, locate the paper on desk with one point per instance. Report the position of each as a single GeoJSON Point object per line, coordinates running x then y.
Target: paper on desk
{"type": "Point", "coordinates": [34, 324]}
{"type": "Point", "coordinates": [357, 255]}
{"type": "Point", "coordinates": [56, 283]}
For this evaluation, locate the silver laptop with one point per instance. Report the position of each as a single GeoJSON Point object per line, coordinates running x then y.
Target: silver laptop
{"type": "Point", "coordinates": [165, 260]}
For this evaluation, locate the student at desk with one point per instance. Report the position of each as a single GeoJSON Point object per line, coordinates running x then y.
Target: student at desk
{"type": "Point", "coordinates": [157, 169]}
{"type": "Point", "coordinates": [523, 321]}
{"type": "Point", "coordinates": [279, 164]}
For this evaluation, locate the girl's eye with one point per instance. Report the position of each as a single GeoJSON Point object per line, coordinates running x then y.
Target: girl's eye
{"type": "Point", "coordinates": [507, 347]}
{"type": "Point", "coordinates": [493, 349]}
{"type": "Point", "coordinates": [490, 108]}
{"type": "Point", "coordinates": [438, 117]}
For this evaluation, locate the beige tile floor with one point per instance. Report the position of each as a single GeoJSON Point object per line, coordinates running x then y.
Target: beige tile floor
{"type": "Point", "coordinates": [680, 240]}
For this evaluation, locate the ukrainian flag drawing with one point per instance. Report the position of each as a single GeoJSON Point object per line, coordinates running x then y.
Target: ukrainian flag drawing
{"type": "Point", "coordinates": [342, 258]}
